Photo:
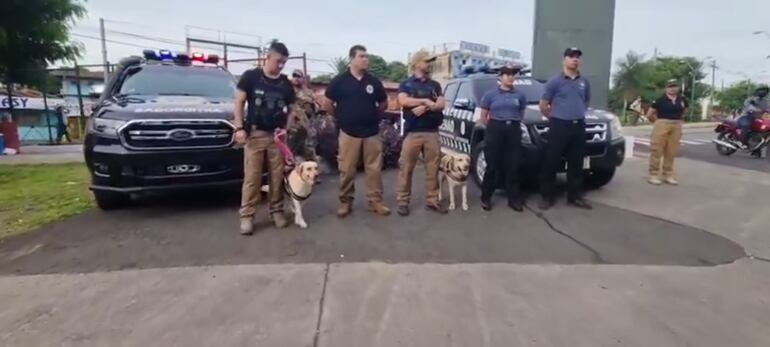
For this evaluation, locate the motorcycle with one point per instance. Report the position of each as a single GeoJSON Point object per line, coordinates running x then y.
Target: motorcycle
{"type": "Point", "coordinates": [729, 138]}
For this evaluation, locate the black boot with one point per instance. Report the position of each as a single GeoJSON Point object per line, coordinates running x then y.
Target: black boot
{"type": "Point", "coordinates": [516, 204]}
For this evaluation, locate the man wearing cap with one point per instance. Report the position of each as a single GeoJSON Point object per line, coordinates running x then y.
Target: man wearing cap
{"type": "Point", "coordinates": [357, 100]}
{"type": "Point", "coordinates": [565, 103]}
{"type": "Point", "coordinates": [502, 110]}
{"type": "Point", "coordinates": [302, 139]}
{"type": "Point", "coordinates": [422, 103]}
{"type": "Point", "coordinates": [667, 112]}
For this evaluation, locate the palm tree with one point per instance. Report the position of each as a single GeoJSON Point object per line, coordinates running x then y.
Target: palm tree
{"type": "Point", "coordinates": [628, 77]}
{"type": "Point", "coordinates": [339, 65]}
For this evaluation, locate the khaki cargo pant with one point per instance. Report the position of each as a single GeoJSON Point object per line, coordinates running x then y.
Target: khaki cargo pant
{"type": "Point", "coordinates": [415, 144]}
{"type": "Point", "coordinates": [664, 143]}
{"type": "Point", "coordinates": [257, 148]}
{"type": "Point", "coordinates": [350, 151]}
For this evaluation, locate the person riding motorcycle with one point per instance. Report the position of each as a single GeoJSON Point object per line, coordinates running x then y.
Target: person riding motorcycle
{"type": "Point", "coordinates": [754, 107]}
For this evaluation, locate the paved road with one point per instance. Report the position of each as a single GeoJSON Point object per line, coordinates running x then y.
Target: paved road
{"type": "Point", "coordinates": [696, 144]}
{"type": "Point", "coordinates": [662, 266]}
{"type": "Point", "coordinates": [201, 230]}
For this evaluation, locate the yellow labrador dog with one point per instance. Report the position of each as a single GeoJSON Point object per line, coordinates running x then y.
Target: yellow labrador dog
{"type": "Point", "coordinates": [454, 169]}
{"type": "Point", "coordinates": [298, 186]}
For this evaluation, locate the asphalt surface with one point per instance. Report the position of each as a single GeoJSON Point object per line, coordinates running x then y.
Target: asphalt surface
{"type": "Point", "coordinates": [696, 144]}
{"type": "Point", "coordinates": [201, 229]}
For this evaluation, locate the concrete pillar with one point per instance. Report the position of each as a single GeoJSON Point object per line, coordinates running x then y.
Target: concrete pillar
{"type": "Point", "coordinates": [587, 24]}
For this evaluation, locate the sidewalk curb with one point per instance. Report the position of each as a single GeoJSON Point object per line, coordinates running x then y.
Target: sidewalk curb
{"type": "Point", "coordinates": [699, 125]}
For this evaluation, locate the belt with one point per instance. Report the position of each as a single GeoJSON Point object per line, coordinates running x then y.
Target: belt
{"type": "Point", "coordinates": [506, 122]}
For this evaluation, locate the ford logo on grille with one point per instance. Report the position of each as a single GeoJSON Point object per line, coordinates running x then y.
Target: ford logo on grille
{"type": "Point", "coordinates": [181, 134]}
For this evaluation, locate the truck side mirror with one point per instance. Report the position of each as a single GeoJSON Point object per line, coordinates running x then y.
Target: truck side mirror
{"type": "Point", "coordinates": [462, 104]}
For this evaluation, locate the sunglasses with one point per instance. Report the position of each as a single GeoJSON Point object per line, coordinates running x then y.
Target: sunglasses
{"type": "Point", "coordinates": [296, 76]}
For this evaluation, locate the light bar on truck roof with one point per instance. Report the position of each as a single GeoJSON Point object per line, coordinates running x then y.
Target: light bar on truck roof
{"type": "Point", "coordinates": [196, 58]}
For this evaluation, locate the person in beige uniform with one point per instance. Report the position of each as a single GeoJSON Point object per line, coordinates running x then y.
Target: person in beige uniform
{"type": "Point", "coordinates": [268, 95]}
{"type": "Point", "coordinates": [357, 100]}
{"type": "Point", "coordinates": [422, 102]}
{"type": "Point", "coordinates": [668, 114]}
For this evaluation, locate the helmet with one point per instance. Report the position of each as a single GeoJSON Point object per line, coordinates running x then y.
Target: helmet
{"type": "Point", "coordinates": [762, 88]}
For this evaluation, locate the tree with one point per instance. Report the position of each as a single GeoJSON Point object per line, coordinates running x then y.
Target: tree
{"type": "Point", "coordinates": [378, 66]}
{"type": "Point", "coordinates": [732, 98]}
{"type": "Point", "coordinates": [34, 34]}
{"type": "Point", "coordinates": [397, 71]}
{"type": "Point", "coordinates": [637, 77]}
{"type": "Point", "coordinates": [325, 78]}
{"type": "Point", "coordinates": [339, 65]}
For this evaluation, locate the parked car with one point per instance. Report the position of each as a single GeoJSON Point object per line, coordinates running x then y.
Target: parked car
{"type": "Point", "coordinates": [462, 131]}
{"type": "Point", "coordinates": [162, 123]}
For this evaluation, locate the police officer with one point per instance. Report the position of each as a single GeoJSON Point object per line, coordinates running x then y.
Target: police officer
{"type": "Point", "coordinates": [357, 100]}
{"type": "Point", "coordinates": [302, 139]}
{"type": "Point", "coordinates": [565, 102]}
{"type": "Point", "coordinates": [422, 103]}
{"type": "Point", "coordinates": [268, 95]}
{"type": "Point", "coordinates": [502, 110]}
{"type": "Point", "coordinates": [667, 112]}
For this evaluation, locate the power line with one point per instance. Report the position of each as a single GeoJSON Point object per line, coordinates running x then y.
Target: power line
{"type": "Point", "coordinates": [149, 38]}
{"type": "Point", "coordinates": [111, 41]}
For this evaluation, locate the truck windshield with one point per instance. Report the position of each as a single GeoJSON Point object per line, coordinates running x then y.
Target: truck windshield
{"type": "Point", "coordinates": [175, 80]}
{"type": "Point", "coordinates": [532, 89]}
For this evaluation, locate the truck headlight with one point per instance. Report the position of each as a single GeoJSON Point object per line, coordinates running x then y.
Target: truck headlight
{"type": "Point", "coordinates": [616, 129]}
{"type": "Point", "coordinates": [525, 139]}
{"type": "Point", "coordinates": [107, 127]}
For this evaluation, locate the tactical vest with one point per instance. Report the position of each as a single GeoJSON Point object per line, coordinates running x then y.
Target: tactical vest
{"type": "Point", "coordinates": [269, 108]}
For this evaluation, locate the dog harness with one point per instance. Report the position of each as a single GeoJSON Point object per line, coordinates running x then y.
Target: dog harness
{"type": "Point", "coordinates": [292, 194]}
{"type": "Point", "coordinates": [288, 156]}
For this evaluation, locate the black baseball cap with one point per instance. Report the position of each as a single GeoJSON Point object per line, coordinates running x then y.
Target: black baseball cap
{"type": "Point", "coordinates": [572, 51]}
{"type": "Point", "coordinates": [509, 69]}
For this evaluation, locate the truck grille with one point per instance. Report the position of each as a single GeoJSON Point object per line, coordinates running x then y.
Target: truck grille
{"type": "Point", "coordinates": [595, 132]}
{"type": "Point", "coordinates": [150, 134]}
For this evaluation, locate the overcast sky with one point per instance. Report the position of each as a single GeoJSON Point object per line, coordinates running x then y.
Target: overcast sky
{"type": "Point", "coordinates": [326, 29]}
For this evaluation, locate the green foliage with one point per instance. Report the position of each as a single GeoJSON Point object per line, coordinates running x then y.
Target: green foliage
{"type": "Point", "coordinates": [378, 66]}
{"type": "Point", "coordinates": [394, 71]}
{"type": "Point", "coordinates": [35, 33]}
{"type": "Point", "coordinates": [325, 78]}
{"type": "Point", "coordinates": [397, 71]}
{"type": "Point", "coordinates": [637, 76]}
{"type": "Point", "coordinates": [339, 65]}
{"type": "Point", "coordinates": [36, 195]}
{"type": "Point", "coordinates": [732, 98]}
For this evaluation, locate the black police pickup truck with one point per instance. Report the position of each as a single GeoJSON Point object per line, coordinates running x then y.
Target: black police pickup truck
{"type": "Point", "coordinates": [163, 122]}
{"type": "Point", "coordinates": [463, 132]}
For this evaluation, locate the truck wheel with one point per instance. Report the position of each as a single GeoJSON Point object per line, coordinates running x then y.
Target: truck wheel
{"type": "Point", "coordinates": [478, 163]}
{"type": "Point", "coordinates": [111, 201]}
{"type": "Point", "coordinates": [597, 178]}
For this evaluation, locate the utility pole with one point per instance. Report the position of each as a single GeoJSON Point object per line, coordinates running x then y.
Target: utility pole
{"type": "Point", "coordinates": [104, 51]}
{"type": "Point", "coordinates": [713, 87]}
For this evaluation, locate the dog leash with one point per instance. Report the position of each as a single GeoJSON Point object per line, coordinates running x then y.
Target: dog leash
{"type": "Point", "coordinates": [288, 156]}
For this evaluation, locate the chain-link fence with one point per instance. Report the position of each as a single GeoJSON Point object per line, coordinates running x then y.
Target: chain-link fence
{"type": "Point", "coordinates": [56, 110]}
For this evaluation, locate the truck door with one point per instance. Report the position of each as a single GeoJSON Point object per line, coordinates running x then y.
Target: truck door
{"type": "Point", "coordinates": [456, 130]}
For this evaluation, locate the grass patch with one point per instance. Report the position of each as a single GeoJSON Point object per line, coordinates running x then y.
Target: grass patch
{"type": "Point", "coordinates": [32, 196]}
